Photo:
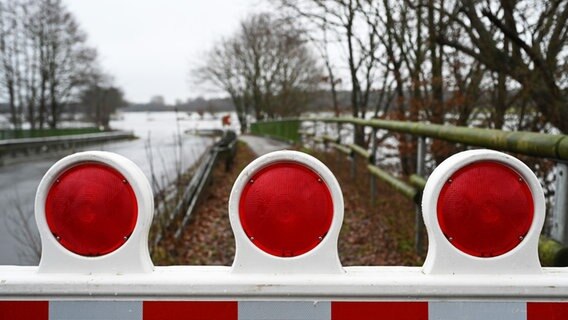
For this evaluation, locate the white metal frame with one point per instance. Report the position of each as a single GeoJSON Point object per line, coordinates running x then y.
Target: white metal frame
{"type": "Point", "coordinates": [220, 283]}
{"type": "Point", "coordinates": [314, 276]}
{"type": "Point", "coordinates": [444, 258]}
{"type": "Point", "coordinates": [322, 259]}
{"type": "Point", "coordinates": [132, 256]}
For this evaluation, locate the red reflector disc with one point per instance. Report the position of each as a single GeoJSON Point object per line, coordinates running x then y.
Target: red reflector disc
{"type": "Point", "coordinates": [286, 209]}
{"type": "Point", "coordinates": [485, 209]}
{"type": "Point", "coordinates": [91, 209]}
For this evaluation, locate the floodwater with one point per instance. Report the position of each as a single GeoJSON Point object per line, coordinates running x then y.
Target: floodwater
{"type": "Point", "coordinates": [163, 149]}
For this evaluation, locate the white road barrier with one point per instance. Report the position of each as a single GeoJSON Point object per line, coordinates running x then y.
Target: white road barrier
{"type": "Point", "coordinates": [483, 210]}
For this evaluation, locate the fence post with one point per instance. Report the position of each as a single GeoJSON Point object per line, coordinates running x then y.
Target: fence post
{"type": "Point", "coordinates": [373, 161]}
{"type": "Point", "coordinates": [353, 164]}
{"type": "Point", "coordinates": [338, 158]}
{"type": "Point", "coordinates": [326, 133]}
{"type": "Point", "coordinates": [419, 226]}
{"type": "Point", "coordinates": [353, 156]}
{"type": "Point", "coordinates": [315, 126]}
{"type": "Point", "coordinates": [301, 134]}
{"type": "Point", "coordinates": [559, 230]}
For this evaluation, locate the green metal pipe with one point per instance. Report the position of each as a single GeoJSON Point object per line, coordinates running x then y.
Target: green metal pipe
{"type": "Point", "coordinates": [394, 182]}
{"type": "Point", "coordinates": [528, 143]}
{"type": "Point", "coordinates": [329, 139]}
{"type": "Point", "coordinates": [552, 253]}
{"type": "Point", "coordinates": [417, 181]}
{"type": "Point", "coordinates": [341, 148]}
{"type": "Point", "coordinates": [285, 129]}
{"type": "Point", "coordinates": [359, 150]}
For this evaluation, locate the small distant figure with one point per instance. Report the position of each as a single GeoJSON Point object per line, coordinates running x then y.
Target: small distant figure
{"type": "Point", "coordinates": [226, 120]}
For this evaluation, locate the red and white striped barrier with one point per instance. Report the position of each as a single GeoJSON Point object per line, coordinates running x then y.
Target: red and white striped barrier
{"type": "Point", "coordinates": [278, 310]}
{"type": "Point", "coordinates": [483, 210]}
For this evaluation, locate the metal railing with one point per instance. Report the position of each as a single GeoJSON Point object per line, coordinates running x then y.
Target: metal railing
{"type": "Point", "coordinates": [540, 145]}
{"type": "Point", "coordinates": [27, 146]}
{"type": "Point", "coordinates": [550, 146]}
{"type": "Point", "coordinates": [553, 146]}
{"type": "Point", "coordinates": [42, 133]}
{"type": "Point", "coordinates": [286, 129]}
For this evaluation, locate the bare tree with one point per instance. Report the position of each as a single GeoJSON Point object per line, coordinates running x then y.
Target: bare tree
{"type": "Point", "coordinates": [223, 69]}
{"type": "Point", "coordinates": [359, 39]}
{"type": "Point", "coordinates": [521, 40]}
{"type": "Point", "coordinates": [69, 59]}
{"type": "Point", "coordinates": [322, 46]}
{"type": "Point", "coordinates": [44, 60]}
{"type": "Point", "coordinates": [100, 100]}
{"type": "Point", "coordinates": [10, 33]}
{"type": "Point", "coordinates": [266, 67]}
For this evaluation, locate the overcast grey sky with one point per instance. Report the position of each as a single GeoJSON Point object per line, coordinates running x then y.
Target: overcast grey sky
{"type": "Point", "coordinates": [150, 45]}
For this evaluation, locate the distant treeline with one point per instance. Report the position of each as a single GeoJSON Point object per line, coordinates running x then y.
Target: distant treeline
{"type": "Point", "coordinates": [320, 101]}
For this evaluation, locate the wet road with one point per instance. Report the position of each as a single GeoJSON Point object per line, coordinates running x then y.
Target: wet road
{"type": "Point", "coordinates": [157, 152]}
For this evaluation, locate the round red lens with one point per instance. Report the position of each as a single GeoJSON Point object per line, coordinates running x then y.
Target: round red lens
{"type": "Point", "coordinates": [91, 209]}
{"type": "Point", "coordinates": [286, 209]}
{"type": "Point", "coordinates": [485, 209]}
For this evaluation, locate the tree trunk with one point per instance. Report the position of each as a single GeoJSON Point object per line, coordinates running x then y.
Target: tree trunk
{"type": "Point", "coordinates": [54, 110]}
{"type": "Point", "coordinates": [12, 103]}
